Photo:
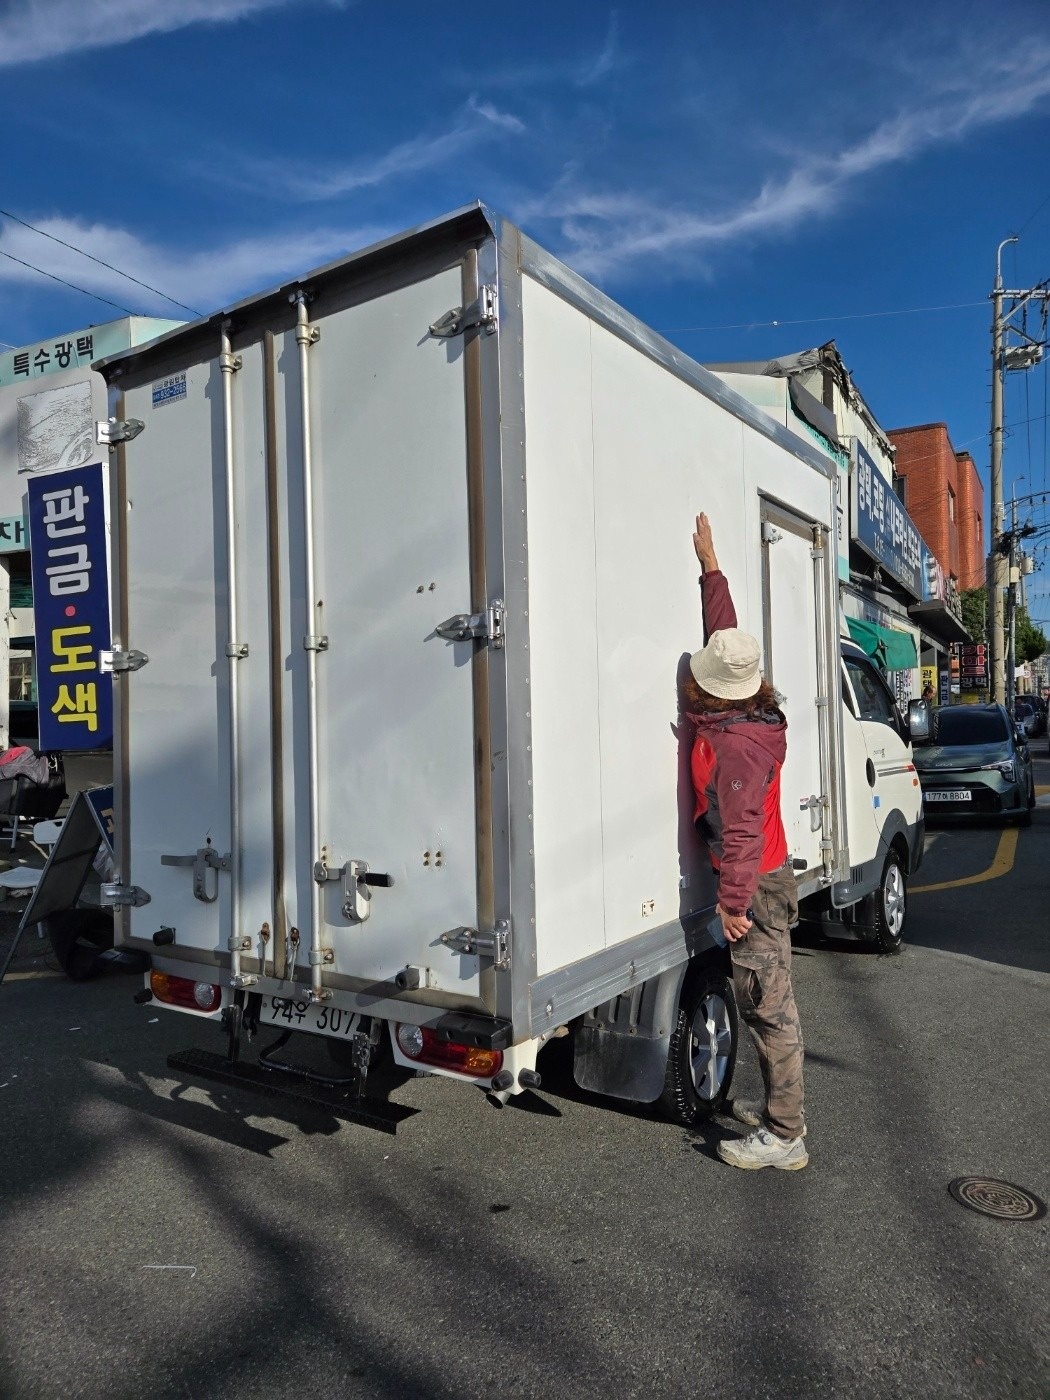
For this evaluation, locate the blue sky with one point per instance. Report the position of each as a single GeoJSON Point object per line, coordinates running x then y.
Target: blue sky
{"type": "Point", "coordinates": [711, 166]}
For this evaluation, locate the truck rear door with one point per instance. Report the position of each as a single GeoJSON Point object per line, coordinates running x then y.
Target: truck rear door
{"type": "Point", "coordinates": [300, 752]}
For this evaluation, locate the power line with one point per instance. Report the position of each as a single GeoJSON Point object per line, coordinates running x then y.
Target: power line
{"type": "Point", "coordinates": [127, 311]}
{"type": "Point", "coordinates": [812, 320]}
{"type": "Point", "coordinates": [1038, 209]}
{"type": "Point", "coordinates": [120, 273]}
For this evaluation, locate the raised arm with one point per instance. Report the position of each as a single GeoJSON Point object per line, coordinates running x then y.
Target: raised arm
{"type": "Point", "coordinates": [717, 601]}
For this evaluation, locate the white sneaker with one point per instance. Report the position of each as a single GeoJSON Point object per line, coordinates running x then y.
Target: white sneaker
{"type": "Point", "coordinates": [753, 1113]}
{"type": "Point", "coordinates": [764, 1149]}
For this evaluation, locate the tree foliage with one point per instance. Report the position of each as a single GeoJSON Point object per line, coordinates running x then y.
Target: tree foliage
{"type": "Point", "coordinates": [1029, 640]}
{"type": "Point", "coordinates": [975, 612]}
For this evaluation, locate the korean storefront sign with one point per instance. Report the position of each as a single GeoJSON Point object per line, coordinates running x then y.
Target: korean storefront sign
{"type": "Point", "coordinates": [882, 527]}
{"type": "Point", "coordinates": [14, 534]}
{"type": "Point", "coordinates": [67, 528]}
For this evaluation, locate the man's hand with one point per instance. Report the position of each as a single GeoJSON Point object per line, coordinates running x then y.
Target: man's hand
{"type": "Point", "coordinates": [735, 925]}
{"type": "Point", "coordinates": [704, 545]}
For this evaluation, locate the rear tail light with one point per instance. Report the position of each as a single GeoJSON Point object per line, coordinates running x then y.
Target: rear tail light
{"type": "Point", "coordinates": [422, 1045]}
{"type": "Point", "coordinates": [184, 992]}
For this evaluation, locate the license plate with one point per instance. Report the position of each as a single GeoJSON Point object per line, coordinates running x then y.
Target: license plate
{"type": "Point", "coordinates": [309, 1016]}
{"type": "Point", "coordinates": [959, 796]}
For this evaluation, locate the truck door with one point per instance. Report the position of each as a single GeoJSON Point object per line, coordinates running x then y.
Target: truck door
{"type": "Point", "coordinates": [296, 526]}
{"type": "Point", "coordinates": [795, 615]}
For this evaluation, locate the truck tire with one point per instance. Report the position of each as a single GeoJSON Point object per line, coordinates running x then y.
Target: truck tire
{"type": "Point", "coordinates": [886, 909]}
{"type": "Point", "coordinates": [702, 1053]}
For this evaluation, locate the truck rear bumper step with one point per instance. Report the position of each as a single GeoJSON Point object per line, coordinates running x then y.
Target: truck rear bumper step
{"type": "Point", "coordinates": [369, 1113]}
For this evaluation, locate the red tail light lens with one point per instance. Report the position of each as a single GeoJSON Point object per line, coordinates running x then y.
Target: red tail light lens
{"type": "Point", "coordinates": [184, 992]}
{"type": "Point", "coordinates": [422, 1045]}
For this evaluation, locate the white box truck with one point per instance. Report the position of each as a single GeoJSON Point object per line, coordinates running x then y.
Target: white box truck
{"type": "Point", "coordinates": [402, 595]}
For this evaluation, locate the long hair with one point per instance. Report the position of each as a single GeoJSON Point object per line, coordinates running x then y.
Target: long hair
{"type": "Point", "coordinates": [701, 702]}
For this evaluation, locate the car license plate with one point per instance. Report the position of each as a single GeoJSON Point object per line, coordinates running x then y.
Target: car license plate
{"type": "Point", "coordinates": [956, 796]}
{"type": "Point", "coordinates": [306, 1015]}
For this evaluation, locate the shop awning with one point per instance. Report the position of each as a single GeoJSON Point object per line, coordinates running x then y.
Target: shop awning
{"type": "Point", "coordinates": [941, 623]}
{"type": "Point", "coordinates": [893, 650]}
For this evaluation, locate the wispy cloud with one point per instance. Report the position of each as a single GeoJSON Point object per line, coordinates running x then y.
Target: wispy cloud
{"type": "Point", "coordinates": [32, 30]}
{"type": "Point", "coordinates": [477, 122]}
{"type": "Point", "coordinates": [580, 70]}
{"type": "Point", "coordinates": [605, 231]}
{"type": "Point", "coordinates": [207, 279]}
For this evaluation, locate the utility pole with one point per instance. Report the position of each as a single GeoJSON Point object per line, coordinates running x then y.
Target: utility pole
{"type": "Point", "coordinates": [996, 672]}
{"type": "Point", "coordinates": [1022, 356]}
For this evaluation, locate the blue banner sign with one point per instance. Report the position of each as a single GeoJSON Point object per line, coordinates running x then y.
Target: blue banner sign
{"type": "Point", "coordinates": [883, 528]}
{"type": "Point", "coordinates": [67, 536]}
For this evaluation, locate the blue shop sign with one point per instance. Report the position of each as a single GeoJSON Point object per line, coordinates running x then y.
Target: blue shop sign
{"type": "Point", "coordinates": [67, 537]}
{"type": "Point", "coordinates": [883, 528]}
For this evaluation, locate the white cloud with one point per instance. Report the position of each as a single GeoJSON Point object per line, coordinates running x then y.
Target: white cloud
{"type": "Point", "coordinates": [208, 279]}
{"type": "Point", "coordinates": [32, 30]}
{"type": "Point", "coordinates": [605, 231]}
{"type": "Point", "coordinates": [478, 121]}
{"type": "Point", "coordinates": [585, 71]}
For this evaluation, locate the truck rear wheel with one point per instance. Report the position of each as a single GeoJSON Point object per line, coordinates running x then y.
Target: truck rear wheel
{"type": "Point", "coordinates": [702, 1052]}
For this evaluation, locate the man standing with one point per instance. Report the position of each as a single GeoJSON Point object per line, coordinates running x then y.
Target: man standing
{"type": "Point", "coordinates": [737, 755]}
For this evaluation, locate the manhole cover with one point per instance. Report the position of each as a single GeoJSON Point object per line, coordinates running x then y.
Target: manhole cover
{"type": "Point", "coordinates": [996, 1198]}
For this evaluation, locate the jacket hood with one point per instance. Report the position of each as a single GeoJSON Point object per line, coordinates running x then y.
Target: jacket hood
{"type": "Point", "coordinates": [768, 730]}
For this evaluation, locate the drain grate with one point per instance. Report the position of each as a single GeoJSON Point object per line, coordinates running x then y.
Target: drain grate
{"type": "Point", "coordinates": [1000, 1199]}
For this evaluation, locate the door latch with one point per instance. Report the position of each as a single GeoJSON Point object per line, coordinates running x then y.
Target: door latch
{"type": "Point", "coordinates": [205, 859]}
{"type": "Point", "coordinates": [815, 806]}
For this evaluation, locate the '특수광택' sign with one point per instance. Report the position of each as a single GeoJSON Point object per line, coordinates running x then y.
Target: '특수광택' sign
{"type": "Point", "coordinates": [67, 534]}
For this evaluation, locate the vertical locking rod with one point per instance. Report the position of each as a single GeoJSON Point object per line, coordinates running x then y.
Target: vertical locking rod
{"type": "Point", "coordinates": [305, 336]}
{"type": "Point", "coordinates": [229, 363]}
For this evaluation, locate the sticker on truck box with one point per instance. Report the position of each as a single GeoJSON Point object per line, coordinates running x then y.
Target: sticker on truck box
{"type": "Point", "coordinates": [169, 390]}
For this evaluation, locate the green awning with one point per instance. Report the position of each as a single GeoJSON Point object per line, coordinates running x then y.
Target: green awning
{"type": "Point", "coordinates": [892, 650]}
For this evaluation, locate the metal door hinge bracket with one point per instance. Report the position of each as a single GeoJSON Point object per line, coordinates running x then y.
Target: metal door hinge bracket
{"type": "Point", "coordinates": [205, 859]}
{"type": "Point", "coordinates": [495, 945]}
{"type": "Point", "coordinates": [483, 313]}
{"type": "Point", "coordinates": [770, 533]}
{"type": "Point", "coordinates": [488, 626]}
{"type": "Point", "coordinates": [119, 660]}
{"type": "Point", "coordinates": [116, 895]}
{"type": "Point", "coordinates": [110, 431]}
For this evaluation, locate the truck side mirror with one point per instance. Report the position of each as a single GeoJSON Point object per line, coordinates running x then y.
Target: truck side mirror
{"type": "Point", "coordinates": [918, 721]}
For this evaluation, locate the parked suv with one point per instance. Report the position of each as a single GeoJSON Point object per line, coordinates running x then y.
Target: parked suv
{"type": "Point", "coordinates": [976, 764]}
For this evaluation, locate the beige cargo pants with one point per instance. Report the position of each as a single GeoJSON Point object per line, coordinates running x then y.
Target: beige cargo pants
{"type": "Point", "coordinates": [762, 981]}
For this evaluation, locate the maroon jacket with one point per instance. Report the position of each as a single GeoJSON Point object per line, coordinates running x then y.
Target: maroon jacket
{"type": "Point", "coordinates": [736, 766]}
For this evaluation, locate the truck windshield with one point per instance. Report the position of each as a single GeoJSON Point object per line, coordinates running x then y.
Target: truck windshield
{"type": "Point", "coordinates": [959, 725]}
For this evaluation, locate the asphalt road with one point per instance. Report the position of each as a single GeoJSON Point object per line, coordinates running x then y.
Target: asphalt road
{"type": "Point", "coordinates": [163, 1238]}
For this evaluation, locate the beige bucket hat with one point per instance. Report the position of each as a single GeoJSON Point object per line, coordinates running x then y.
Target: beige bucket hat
{"type": "Point", "coordinates": [729, 665]}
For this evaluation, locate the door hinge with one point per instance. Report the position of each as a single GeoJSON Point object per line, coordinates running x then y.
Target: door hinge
{"type": "Point", "coordinates": [116, 895]}
{"type": "Point", "coordinates": [121, 659]}
{"type": "Point", "coordinates": [770, 533]}
{"type": "Point", "coordinates": [487, 625]}
{"type": "Point", "coordinates": [205, 858]}
{"type": "Point", "coordinates": [110, 431]}
{"type": "Point", "coordinates": [495, 945]}
{"type": "Point", "coordinates": [483, 313]}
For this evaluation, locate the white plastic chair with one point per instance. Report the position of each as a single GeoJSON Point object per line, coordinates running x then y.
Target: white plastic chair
{"type": "Point", "coordinates": [23, 879]}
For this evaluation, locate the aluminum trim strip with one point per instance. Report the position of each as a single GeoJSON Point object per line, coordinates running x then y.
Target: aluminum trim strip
{"type": "Point", "coordinates": [570, 991]}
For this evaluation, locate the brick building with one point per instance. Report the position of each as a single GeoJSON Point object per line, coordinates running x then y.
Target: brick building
{"type": "Point", "coordinates": [943, 494]}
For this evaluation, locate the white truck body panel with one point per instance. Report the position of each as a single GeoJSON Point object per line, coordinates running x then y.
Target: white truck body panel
{"type": "Point", "coordinates": [529, 788]}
